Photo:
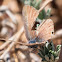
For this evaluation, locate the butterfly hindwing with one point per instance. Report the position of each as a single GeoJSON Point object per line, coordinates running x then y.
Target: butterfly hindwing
{"type": "Point", "coordinates": [45, 30]}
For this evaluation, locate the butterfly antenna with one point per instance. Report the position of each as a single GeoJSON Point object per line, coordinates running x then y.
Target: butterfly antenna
{"type": "Point", "coordinates": [44, 4]}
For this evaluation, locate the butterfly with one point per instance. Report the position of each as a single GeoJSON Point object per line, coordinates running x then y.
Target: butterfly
{"type": "Point", "coordinates": [45, 29]}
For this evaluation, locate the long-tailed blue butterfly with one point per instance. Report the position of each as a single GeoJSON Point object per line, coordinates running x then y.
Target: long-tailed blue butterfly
{"type": "Point", "coordinates": [45, 29]}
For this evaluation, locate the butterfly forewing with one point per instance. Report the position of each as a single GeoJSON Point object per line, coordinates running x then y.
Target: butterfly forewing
{"type": "Point", "coordinates": [45, 30]}
{"type": "Point", "coordinates": [29, 15]}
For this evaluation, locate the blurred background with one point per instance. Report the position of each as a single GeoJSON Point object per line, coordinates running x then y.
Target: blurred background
{"type": "Point", "coordinates": [11, 22]}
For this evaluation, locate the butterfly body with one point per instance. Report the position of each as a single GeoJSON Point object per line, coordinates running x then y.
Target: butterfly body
{"type": "Point", "coordinates": [33, 41]}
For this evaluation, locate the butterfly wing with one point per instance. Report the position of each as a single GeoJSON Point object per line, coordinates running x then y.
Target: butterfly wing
{"type": "Point", "coordinates": [45, 30]}
{"type": "Point", "coordinates": [29, 16]}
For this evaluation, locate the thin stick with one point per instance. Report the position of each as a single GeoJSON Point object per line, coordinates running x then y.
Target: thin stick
{"type": "Point", "coordinates": [31, 44]}
{"type": "Point", "coordinates": [15, 57]}
{"type": "Point", "coordinates": [21, 55]}
{"type": "Point", "coordinates": [11, 16]}
{"type": "Point", "coordinates": [6, 57]}
{"type": "Point", "coordinates": [1, 52]}
{"type": "Point", "coordinates": [10, 39]}
{"type": "Point", "coordinates": [13, 43]}
{"type": "Point", "coordinates": [44, 4]}
{"type": "Point", "coordinates": [3, 8]}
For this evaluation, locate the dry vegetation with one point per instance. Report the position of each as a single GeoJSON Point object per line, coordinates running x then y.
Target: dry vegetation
{"type": "Point", "coordinates": [13, 41]}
